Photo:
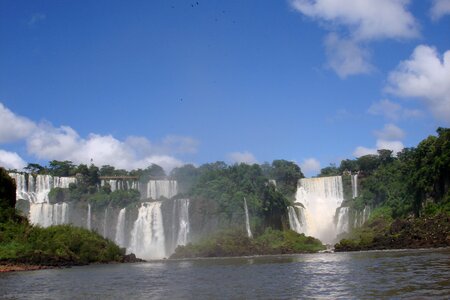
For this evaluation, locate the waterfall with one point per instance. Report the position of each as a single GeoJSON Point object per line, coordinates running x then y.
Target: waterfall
{"type": "Point", "coordinates": [161, 188]}
{"type": "Point", "coordinates": [296, 220]}
{"type": "Point", "coordinates": [320, 197]}
{"type": "Point", "coordinates": [361, 217]}
{"type": "Point", "coordinates": [247, 221]}
{"type": "Point", "coordinates": [354, 185]}
{"type": "Point", "coordinates": [342, 224]}
{"type": "Point", "coordinates": [36, 189]}
{"type": "Point", "coordinates": [147, 235]}
{"type": "Point", "coordinates": [45, 214]}
{"type": "Point", "coordinates": [120, 228]}
{"type": "Point", "coordinates": [365, 214]}
{"type": "Point", "coordinates": [88, 225]}
{"type": "Point", "coordinates": [183, 222]}
{"type": "Point", "coordinates": [105, 223]}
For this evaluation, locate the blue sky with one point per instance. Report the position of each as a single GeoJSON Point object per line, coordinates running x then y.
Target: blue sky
{"type": "Point", "coordinates": [172, 82]}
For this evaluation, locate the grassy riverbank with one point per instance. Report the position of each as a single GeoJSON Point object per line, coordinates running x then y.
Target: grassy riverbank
{"type": "Point", "coordinates": [236, 243]}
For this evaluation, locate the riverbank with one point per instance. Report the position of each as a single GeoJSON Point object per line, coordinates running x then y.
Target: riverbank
{"type": "Point", "coordinates": [22, 267]}
{"type": "Point", "coordinates": [409, 233]}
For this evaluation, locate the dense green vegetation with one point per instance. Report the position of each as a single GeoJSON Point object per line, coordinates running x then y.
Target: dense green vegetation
{"type": "Point", "coordinates": [20, 242]}
{"type": "Point", "coordinates": [227, 186]}
{"type": "Point", "coordinates": [383, 232]}
{"type": "Point", "coordinates": [410, 192]}
{"type": "Point", "coordinates": [236, 243]}
{"type": "Point", "coordinates": [414, 182]}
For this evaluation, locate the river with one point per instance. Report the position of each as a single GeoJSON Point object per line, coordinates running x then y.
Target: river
{"type": "Point", "coordinates": [416, 274]}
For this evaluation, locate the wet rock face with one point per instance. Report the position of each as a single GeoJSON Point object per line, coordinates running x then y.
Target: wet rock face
{"type": "Point", "coordinates": [131, 258]}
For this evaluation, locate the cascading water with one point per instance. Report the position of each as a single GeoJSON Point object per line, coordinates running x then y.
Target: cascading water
{"type": "Point", "coordinates": [89, 217]}
{"type": "Point", "coordinates": [146, 239]}
{"type": "Point", "coordinates": [45, 214]}
{"type": "Point", "coordinates": [320, 197]}
{"type": "Point", "coordinates": [354, 178]}
{"type": "Point", "coordinates": [161, 188]}
{"type": "Point", "coordinates": [147, 235]}
{"type": "Point", "coordinates": [105, 223]}
{"type": "Point", "coordinates": [183, 221]}
{"type": "Point", "coordinates": [120, 228]}
{"type": "Point", "coordinates": [342, 220]}
{"type": "Point", "coordinates": [247, 220]}
{"type": "Point", "coordinates": [294, 222]}
{"type": "Point", "coordinates": [361, 217]}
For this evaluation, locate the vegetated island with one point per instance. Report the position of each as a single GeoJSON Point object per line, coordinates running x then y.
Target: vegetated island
{"type": "Point", "coordinates": [27, 247]}
{"type": "Point", "coordinates": [237, 243]}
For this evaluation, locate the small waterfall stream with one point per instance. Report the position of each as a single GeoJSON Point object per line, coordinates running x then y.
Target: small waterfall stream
{"type": "Point", "coordinates": [120, 228]}
{"type": "Point", "coordinates": [247, 220]}
{"type": "Point", "coordinates": [89, 217]}
{"type": "Point", "coordinates": [183, 221]}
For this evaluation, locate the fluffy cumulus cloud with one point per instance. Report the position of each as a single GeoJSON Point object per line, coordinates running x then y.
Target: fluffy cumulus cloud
{"type": "Point", "coordinates": [346, 57]}
{"type": "Point", "coordinates": [363, 21]}
{"type": "Point", "coordinates": [439, 8]}
{"type": "Point", "coordinates": [11, 160]}
{"type": "Point", "coordinates": [310, 166]}
{"type": "Point", "coordinates": [12, 126]}
{"type": "Point", "coordinates": [393, 111]}
{"type": "Point", "coordinates": [242, 157]}
{"type": "Point", "coordinates": [361, 151]}
{"type": "Point", "coordinates": [46, 142]}
{"type": "Point", "coordinates": [387, 138]}
{"type": "Point", "coordinates": [426, 76]}
{"type": "Point", "coordinates": [65, 144]}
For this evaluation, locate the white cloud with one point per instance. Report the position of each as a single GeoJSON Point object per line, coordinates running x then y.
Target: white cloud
{"type": "Point", "coordinates": [12, 126]}
{"type": "Point", "coordinates": [395, 146]}
{"type": "Point", "coordinates": [365, 19]}
{"type": "Point", "coordinates": [390, 132]}
{"type": "Point", "coordinates": [388, 138]}
{"type": "Point", "coordinates": [310, 166]}
{"type": "Point", "coordinates": [11, 160]}
{"type": "Point", "coordinates": [44, 141]}
{"type": "Point", "coordinates": [361, 151]}
{"type": "Point", "coordinates": [439, 8]}
{"type": "Point", "coordinates": [135, 152]}
{"type": "Point", "coordinates": [425, 76]}
{"type": "Point", "coordinates": [346, 57]}
{"type": "Point", "coordinates": [242, 157]}
{"type": "Point", "coordinates": [393, 111]}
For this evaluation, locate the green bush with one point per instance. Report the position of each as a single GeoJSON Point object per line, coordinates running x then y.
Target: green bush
{"type": "Point", "coordinates": [236, 243]}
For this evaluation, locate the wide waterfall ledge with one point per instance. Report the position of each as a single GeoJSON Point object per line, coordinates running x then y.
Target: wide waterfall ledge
{"type": "Point", "coordinates": [151, 229]}
{"type": "Point", "coordinates": [318, 210]}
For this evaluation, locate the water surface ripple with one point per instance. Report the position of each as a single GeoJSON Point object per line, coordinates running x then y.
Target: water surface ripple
{"type": "Point", "coordinates": [415, 274]}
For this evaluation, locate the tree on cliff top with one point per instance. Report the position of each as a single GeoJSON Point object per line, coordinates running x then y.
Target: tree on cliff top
{"type": "Point", "coordinates": [7, 196]}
